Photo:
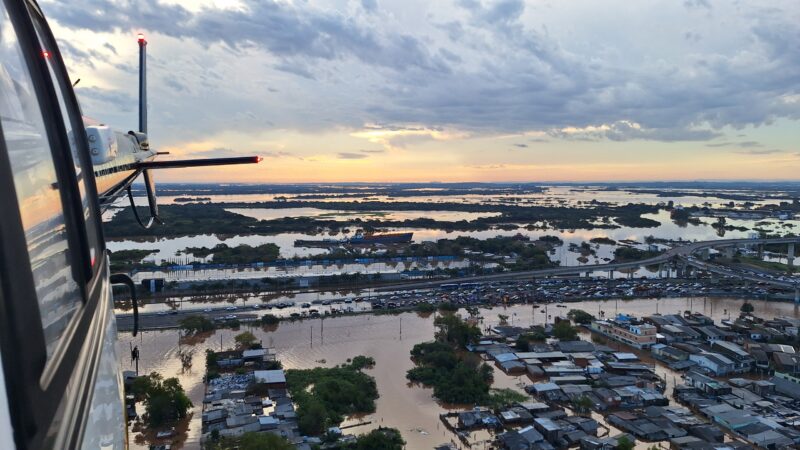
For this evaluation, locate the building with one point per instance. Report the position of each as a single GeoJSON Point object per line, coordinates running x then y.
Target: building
{"type": "Point", "coordinates": [273, 379]}
{"type": "Point", "coordinates": [718, 365]}
{"type": "Point", "coordinates": [638, 335]}
{"type": "Point", "coordinates": [742, 360]}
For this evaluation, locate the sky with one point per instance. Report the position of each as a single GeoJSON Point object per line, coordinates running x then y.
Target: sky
{"type": "Point", "coordinates": [463, 90]}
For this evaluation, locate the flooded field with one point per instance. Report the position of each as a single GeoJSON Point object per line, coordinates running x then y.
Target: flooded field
{"type": "Point", "coordinates": [389, 339]}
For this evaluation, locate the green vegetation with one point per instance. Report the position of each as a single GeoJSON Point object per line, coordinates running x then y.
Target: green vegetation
{"type": "Point", "coordinates": [195, 324]}
{"type": "Point", "coordinates": [564, 331]}
{"type": "Point", "coordinates": [455, 331]}
{"type": "Point", "coordinates": [580, 316]}
{"type": "Point", "coordinates": [769, 265]}
{"type": "Point", "coordinates": [241, 254]}
{"type": "Point", "coordinates": [193, 219]}
{"type": "Point", "coordinates": [552, 240]}
{"type": "Point", "coordinates": [447, 307]}
{"type": "Point", "coordinates": [425, 307]}
{"type": "Point", "coordinates": [624, 444]}
{"type": "Point", "coordinates": [623, 254]}
{"type": "Point", "coordinates": [164, 400]}
{"type": "Point", "coordinates": [249, 441]}
{"type": "Point", "coordinates": [324, 396]}
{"type": "Point", "coordinates": [270, 319]}
{"type": "Point", "coordinates": [603, 240]}
{"type": "Point", "coordinates": [380, 438]}
{"type": "Point", "coordinates": [455, 377]}
{"type": "Point", "coordinates": [582, 404]}
{"type": "Point", "coordinates": [499, 398]}
{"type": "Point", "coordinates": [124, 260]}
{"type": "Point", "coordinates": [747, 308]}
{"type": "Point", "coordinates": [362, 362]}
{"type": "Point", "coordinates": [536, 335]}
{"type": "Point", "coordinates": [637, 222]}
{"type": "Point", "coordinates": [246, 340]}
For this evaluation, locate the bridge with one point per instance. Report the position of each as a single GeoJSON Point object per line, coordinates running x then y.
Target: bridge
{"type": "Point", "coordinates": [681, 255]}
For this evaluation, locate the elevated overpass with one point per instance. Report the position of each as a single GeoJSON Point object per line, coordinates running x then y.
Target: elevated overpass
{"type": "Point", "coordinates": [680, 255]}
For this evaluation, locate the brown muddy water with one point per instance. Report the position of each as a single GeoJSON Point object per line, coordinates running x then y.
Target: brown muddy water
{"type": "Point", "coordinates": [389, 339]}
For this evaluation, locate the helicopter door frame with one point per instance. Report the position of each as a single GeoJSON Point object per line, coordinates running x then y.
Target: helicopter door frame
{"type": "Point", "coordinates": [49, 398]}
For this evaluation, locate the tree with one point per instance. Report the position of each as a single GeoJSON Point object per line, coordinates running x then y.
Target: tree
{"type": "Point", "coordinates": [360, 362]}
{"type": "Point", "coordinates": [503, 319]}
{"type": "Point", "coordinates": [747, 308]}
{"type": "Point", "coordinates": [195, 324]}
{"type": "Point", "coordinates": [455, 331]}
{"type": "Point", "coordinates": [580, 316]}
{"type": "Point", "coordinates": [382, 438]}
{"type": "Point", "coordinates": [624, 443]}
{"type": "Point", "coordinates": [582, 404]}
{"type": "Point", "coordinates": [269, 319]}
{"type": "Point", "coordinates": [164, 400]}
{"type": "Point", "coordinates": [264, 441]}
{"type": "Point", "coordinates": [535, 335]}
{"type": "Point", "coordinates": [312, 418]}
{"type": "Point", "coordinates": [245, 340]}
{"type": "Point", "coordinates": [564, 331]}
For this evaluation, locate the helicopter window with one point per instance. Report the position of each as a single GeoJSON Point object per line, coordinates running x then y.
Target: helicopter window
{"type": "Point", "coordinates": [37, 190]}
{"type": "Point", "coordinates": [70, 118]}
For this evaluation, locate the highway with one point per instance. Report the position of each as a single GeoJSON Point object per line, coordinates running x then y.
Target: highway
{"type": "Point", "coordinates": [682, 252]}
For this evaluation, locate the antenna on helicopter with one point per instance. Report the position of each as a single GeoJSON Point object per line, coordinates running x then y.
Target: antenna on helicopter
{"type": "Point", "coordinates": [107, 144]}
{"type": "Point", "coordinates": [142, 83]}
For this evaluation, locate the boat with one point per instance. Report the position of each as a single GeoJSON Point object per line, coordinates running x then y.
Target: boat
{"type": "Point", "coordinates": [358, 239]}
{"type": "Point", "coordinates": [380, 238]}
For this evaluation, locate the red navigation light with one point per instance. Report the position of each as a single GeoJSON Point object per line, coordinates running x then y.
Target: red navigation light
{"type": "Point", "coordinates": [141, 37]}
{"type": "Point", "coordinates": [257, 159]}
{"type": "Point", "coordinates": [46, 54]}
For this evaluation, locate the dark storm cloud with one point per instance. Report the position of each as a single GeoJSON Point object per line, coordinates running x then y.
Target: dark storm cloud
{"type": "Point", "coordinates": [280, 28]}
{"type": "Point", "coordinates": [483, 66]}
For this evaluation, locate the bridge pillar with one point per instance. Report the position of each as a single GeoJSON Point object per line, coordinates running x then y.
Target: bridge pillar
{"type": "Point", "coordinates": [610, 274]}
{"type": "Point", "coordinates": [790, 256]}
{"type": "Point", "coordinates": [730, 252]}
{"type": "Point", "coordinates": [630, 275]}
{"type": "Point", "coordinates": [588, 274]}
{"type": "Point", "coordinates": [760, 251]}
{"type": "Point", "coordinates": [797, 295]}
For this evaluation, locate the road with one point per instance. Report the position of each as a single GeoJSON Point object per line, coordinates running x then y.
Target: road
{"type": "Point", "coordinates": [682, 252]}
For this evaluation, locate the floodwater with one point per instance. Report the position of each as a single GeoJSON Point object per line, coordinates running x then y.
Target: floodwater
{"type": "Point", "coordinates": [327, 214]}
{"type": "Point", "coordinates": [389, 339]}
{"type": "Point", "coordinates": [550, 195]}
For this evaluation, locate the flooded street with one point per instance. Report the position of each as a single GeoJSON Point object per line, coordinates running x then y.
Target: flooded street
{"type": "Point", "coordinates": [389, 339]}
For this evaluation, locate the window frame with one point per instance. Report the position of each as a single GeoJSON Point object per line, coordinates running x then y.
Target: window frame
{"type": "Point", "coordinates": [37, 385]}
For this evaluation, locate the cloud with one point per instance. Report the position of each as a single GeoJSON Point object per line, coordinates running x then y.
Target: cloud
{"type": "Point", "coordinates": [272, 154]}
{"type": "Point", "coordinates": [743, 144]}
{"type": "Point", "coordinates": [369, 5]}
{"type": "Point", "coordinates": [759, 151]}
{"type": "Point", "coordinates": [219, 152]}
{"type": "Point", "coordinates": [697, 4]}
{"type": "Point", "coordinates": [473, 68]}
{"type": "Point", "coordinates": [285, 30]}
{"type": "Point", "coordinates": [625, 130]}
{"type": "Point", "coordinates": [377, 150]}
{"type": "Point", "coordinates": [350, 155]}
{"type": "Point", "coordinates": [109, 98]}
{"type": "Point", "coordinates": [521, 145]}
